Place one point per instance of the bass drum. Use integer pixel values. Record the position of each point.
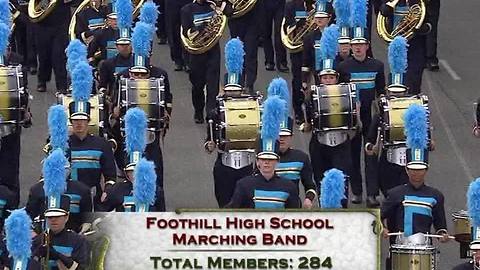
(97, 115)
(392, 111)
(13, 96)
(147, 94)
(335, 107)
(239, 123)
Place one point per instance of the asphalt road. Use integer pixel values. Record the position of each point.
(188, 169)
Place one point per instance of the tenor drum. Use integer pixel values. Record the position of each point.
(147, 94)
(240, 123)
(13, 97)
(335, 107)
(413, 257)
(463, 228)
(392, 115)
(97, 115)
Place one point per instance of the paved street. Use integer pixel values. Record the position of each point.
(188, 176)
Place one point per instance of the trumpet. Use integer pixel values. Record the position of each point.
(46, 243)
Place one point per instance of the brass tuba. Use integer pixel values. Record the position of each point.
(206, 39)
(407, 26)
(15, 13)
(40, 9)
(242, 7)
(293, 40)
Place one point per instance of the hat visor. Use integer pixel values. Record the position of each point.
(417, 166)
(268, 155)
(112, 16)
(344, 40)
(321, 14)
(328, 72)
(79, 116)
(286, 132)
(123, 41)
(475, 245)
(397, 88)
(139, 69)
(130, 167)
(233, 87)
(359, 41)
(55, 212)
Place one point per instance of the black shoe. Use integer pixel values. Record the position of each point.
(282, 67)
(162, 40)
(372, 202)
(198, 117)
(357, 199)
(178, 67)
(41, 88)
(433, 66)
(33, 70)
(269, 66)
(187, 69)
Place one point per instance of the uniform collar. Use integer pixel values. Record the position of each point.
(415, 188)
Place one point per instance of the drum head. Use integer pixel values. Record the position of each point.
(336, 107)
(393, 110)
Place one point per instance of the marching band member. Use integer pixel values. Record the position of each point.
(342, 20)
(266, 189)
(328, 149)
(103, 42)
(204, 67)
(59, 247)
(56, 170)
(415, 207)
(90, 20)
(172, 22)
(311, 43)
(10, 133)
(225, 172)
(272, 18)
(332, 194)
(294, 164)
(139, 192)
(369, 77)
(296, 12)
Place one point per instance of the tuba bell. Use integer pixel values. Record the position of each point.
(40, 9)
(293, 39)
(242, 7)
(412, 21)
(209, 37)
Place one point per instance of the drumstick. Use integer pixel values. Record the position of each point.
(210, 125)
(439, 236)
(395, 234)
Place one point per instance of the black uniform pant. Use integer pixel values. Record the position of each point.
(51, 43)
(416, 64)
(433, 13)
(246, 28)
(273, 11)
(297, 94)
(205, 71)
(24, 41)
(390, 175)
(325, 157)
(10, 164)
(371, 165)
(225, 179)
(172, 23)
(161, 29)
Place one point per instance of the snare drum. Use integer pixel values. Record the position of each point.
(413, 257)
(335, 107)
(97, 116)
(463, 228)
(392, 111)
(13, 97)
(239, 123)
(147, 94)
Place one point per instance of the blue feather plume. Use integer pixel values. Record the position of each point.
(273, 114)
(342, 12)
(397, 55)
(234, 53)
(4, 35)
(144, 186)
(135, 130)
(358, 13)
(5, 14)
(54, 173)
(58, 127)
(333, 189)
(124, 13)
(76, 53)
(141, 38)
(82, 82)
(18, 230)
(473, 202)
(279, 87)
(149, 13)
(416, 126)
(329, 42)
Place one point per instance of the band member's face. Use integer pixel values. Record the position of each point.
(80, 126)
(130, 175)
(112, 22)
(322, 22)
(328, 79)
(266, 166)
(476, 256)
(285, 143)
(139, 76)
(360, 50)
(416, 176)
(344, 49)
(57, 224)
(124, 50)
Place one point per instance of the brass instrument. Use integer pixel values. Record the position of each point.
(242, 7)
(40, 9)
(206, 39)
(293, 40)
(46, 242)
(15, 13)
(407, 26)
